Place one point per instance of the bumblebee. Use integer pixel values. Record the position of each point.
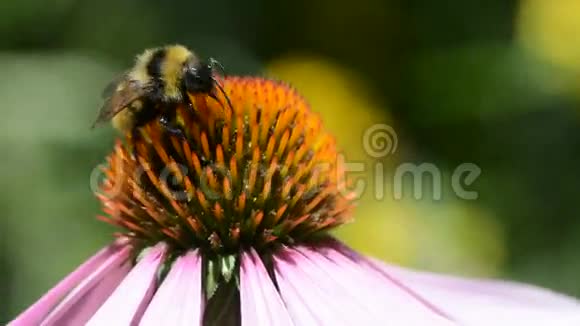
(159, 80)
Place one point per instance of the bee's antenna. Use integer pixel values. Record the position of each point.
(213, 63)
(220, 87)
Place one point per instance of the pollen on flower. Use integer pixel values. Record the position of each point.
(259, 173)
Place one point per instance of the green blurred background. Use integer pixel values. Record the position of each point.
(491, 82)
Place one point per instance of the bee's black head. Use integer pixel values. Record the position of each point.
(198, 78)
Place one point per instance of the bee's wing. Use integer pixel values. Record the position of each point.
(118, 95)
(112, 86)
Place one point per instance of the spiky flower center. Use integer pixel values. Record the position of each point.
(260, 173)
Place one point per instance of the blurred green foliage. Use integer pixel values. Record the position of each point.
(460, 84)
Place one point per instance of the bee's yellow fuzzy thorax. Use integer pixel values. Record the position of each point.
(171, 70)
(139, 71)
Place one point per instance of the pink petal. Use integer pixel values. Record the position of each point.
(261, 304)
(323, 295)
(319, 266)
(36, 313)
(344, 256)
(179, 299)
(297, 298)
(485, 302)
(83, 301)
(127, 304)
(338, 291)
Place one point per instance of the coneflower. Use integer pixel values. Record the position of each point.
(228, 225)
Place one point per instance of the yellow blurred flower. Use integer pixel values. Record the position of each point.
(447, 236)
(552, 29)
(383, 230)
(459, 237)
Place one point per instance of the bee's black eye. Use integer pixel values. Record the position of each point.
(198, 79)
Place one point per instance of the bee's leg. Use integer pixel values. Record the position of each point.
(133, 140)
(170, 127)
(188, 101)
